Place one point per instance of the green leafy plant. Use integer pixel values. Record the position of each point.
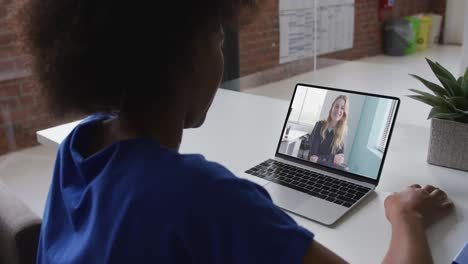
(448, 100)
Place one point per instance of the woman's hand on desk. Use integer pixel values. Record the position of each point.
(425, 204)
(314, 158)
(410, 212)
(339, 159)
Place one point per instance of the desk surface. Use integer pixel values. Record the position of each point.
(239, 121)
(364, 77)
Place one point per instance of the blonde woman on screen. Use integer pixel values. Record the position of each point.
(327, 137)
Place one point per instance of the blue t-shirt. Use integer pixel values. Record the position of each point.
(136, 201)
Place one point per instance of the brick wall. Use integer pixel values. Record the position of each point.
(22, 109)
(22, 113)
(259, 42)
(438, 6)
(10, 59)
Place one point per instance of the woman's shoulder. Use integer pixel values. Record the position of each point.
(147, 165)
(192, 171)
(213, 187)
(196, 164)
(186, 181)
(201, 184)
(319, 124)
(206, 178)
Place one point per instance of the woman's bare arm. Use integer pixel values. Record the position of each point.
(409, 213)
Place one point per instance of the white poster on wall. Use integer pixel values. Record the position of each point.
(302, 34)
(296, 26)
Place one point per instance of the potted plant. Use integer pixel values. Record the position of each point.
(448, 144)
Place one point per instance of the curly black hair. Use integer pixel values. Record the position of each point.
(108, 55)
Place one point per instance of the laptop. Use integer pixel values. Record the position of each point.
(330, 153)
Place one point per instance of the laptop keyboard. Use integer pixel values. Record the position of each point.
(316, 184)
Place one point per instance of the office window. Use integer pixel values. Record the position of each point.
(297, 104)
(307, 106)
(388, 125)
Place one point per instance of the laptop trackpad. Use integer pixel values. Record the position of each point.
(305, 205)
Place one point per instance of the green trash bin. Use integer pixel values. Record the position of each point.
(413, 43)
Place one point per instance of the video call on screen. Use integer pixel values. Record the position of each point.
(345, 131)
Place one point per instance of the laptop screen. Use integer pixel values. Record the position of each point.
(338, 129)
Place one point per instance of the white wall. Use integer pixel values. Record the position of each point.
(464, 60)
(454, 21)
(356, 103)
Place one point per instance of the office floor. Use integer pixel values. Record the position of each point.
(28, 172)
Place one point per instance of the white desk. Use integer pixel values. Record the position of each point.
(364, 77)
(238, 121)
